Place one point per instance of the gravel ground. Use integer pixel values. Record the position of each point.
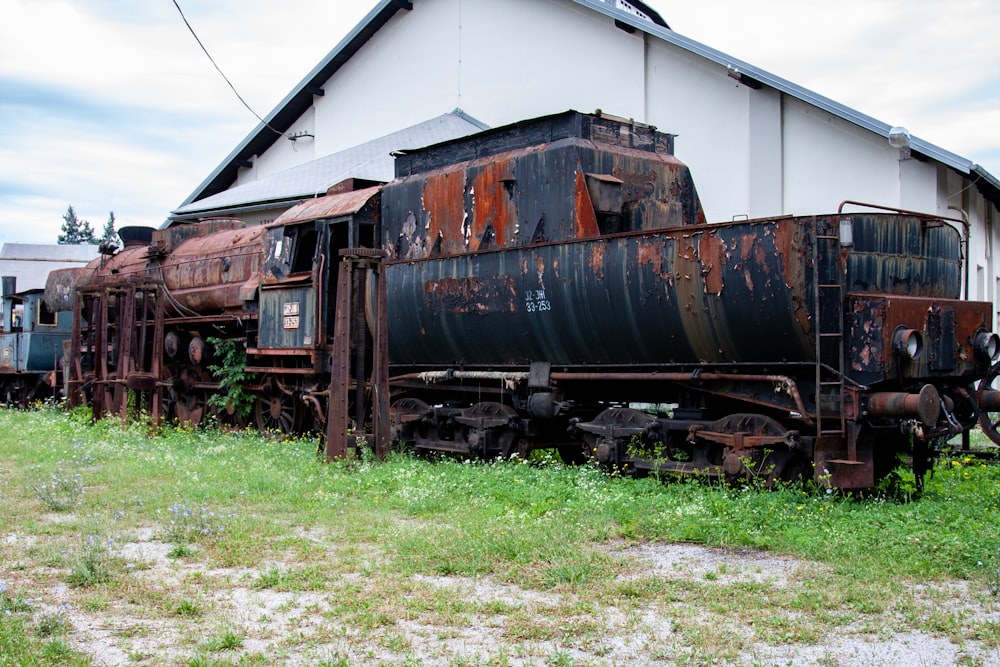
(513, 625)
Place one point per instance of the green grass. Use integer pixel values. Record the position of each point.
(364, 551)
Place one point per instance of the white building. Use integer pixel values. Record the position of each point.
(30, 263)
(757, 145)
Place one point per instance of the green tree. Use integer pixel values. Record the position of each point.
(110, 236)
(75, 230)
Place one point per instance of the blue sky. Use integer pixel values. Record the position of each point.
(110, 104)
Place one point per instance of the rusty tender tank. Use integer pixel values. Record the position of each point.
(553, 284)
(548, 276)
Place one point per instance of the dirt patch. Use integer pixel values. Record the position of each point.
(175, 609)
(725, 566)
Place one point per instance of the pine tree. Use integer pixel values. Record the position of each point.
(75, 230)
(109, 238)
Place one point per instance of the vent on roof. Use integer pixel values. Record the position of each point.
(631, 9)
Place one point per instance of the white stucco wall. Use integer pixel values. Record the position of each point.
(918, 185)
(405, 74)
(515, 65)
(709, 113)
(960, 201)
(828, 160)
(285, 154)
(500, 62)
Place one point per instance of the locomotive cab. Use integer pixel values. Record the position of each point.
(300, 294)
(299, 279)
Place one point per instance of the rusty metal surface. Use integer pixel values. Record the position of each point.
(925, 405)
(574, 246)
(609, 130)
(836, 471)
(728, 293)
(165, 240)
(712, 294)
(948, 327)
(338, 416)
(475, 295)
(61, 286)
(359, 374)
(493, 198)
(328, 206)
(989, 400)
(288, 317)
(8, 352)
(901, 254)
(205, 272)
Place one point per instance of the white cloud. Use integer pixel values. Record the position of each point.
(119, 109)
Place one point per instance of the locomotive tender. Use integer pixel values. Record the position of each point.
(541, 285)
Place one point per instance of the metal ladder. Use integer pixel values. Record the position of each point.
(828, 320)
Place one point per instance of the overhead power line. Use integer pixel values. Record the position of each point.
(219, 69)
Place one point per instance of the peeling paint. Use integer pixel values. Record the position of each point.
(585, 218)
(650, 253)
(471, 296)
(596, 260)
(711, 251)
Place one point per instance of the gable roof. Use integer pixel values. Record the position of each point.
(370, 161)
(300, 98)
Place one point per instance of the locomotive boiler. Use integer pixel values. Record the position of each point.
(554, 284)
(143, 316)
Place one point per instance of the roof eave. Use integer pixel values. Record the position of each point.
(296, 102)
(239, 209)
(986, 182)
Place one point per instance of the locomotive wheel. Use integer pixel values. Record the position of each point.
(230, 417)
(512, 445)
(276, 409)
(407, 415)
(13, 394)
(989, 422)
(608, 436)
(763, 465)
(189, 402)
(488, 432)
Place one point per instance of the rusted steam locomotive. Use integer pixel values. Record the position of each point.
(554, 284)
